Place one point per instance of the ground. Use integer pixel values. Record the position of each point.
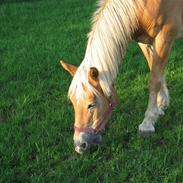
(36, 118)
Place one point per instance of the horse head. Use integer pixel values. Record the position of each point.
(92, 110)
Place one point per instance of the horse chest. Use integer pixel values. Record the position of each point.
(142, 37)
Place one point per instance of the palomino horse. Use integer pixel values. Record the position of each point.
(154, 24)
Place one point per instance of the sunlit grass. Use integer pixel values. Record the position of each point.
(36, 119)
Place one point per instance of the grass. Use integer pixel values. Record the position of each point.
(36, 120)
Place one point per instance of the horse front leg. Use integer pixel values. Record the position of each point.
(163, 94)
(163, 98)
(156, 56)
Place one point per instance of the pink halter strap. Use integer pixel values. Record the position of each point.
(100, 123)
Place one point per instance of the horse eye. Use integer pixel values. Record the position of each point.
(90, 106)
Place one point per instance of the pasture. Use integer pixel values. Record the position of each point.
(36, 118)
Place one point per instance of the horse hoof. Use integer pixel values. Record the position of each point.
(145, 133)
(145, 130)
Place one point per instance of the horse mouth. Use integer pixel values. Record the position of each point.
(78, 150)
(91, 143)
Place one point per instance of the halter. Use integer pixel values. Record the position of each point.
(100, 123)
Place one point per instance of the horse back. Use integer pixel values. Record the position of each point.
(157, 14)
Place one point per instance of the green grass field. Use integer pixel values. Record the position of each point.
(36, 119)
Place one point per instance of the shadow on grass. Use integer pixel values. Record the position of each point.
(17, 1)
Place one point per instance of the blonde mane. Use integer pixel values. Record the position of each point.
(112, 27)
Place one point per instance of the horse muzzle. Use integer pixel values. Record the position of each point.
(83, 141)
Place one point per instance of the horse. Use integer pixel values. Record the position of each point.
(154, 25)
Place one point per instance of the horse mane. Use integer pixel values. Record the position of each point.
(113, 24)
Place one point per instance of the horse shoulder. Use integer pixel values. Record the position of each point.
(155, 15)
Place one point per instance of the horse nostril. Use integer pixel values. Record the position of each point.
(84, 145)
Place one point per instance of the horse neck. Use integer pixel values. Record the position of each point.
(113, 26)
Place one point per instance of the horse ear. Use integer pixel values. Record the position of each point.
(70, 68)
(93, 78)
(93, 74)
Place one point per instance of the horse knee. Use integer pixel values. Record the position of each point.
(155, 85)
